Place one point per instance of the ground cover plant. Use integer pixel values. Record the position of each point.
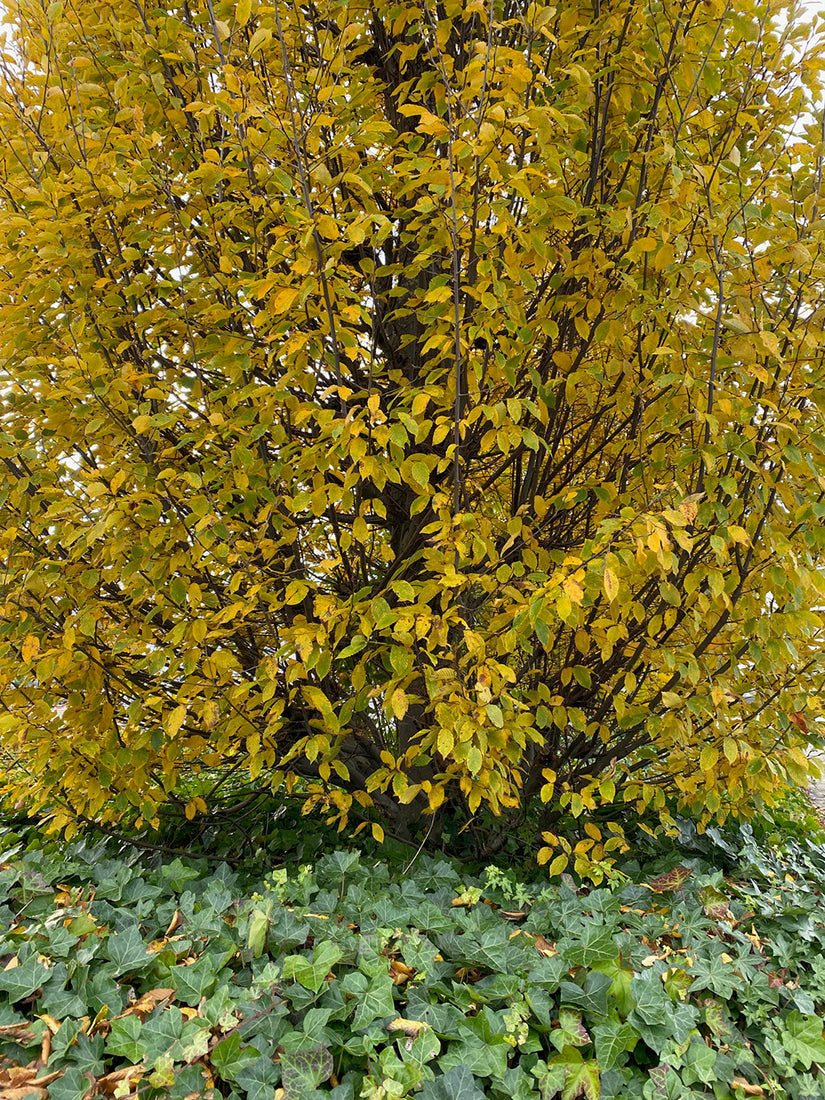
(416, 407)
(355, 979)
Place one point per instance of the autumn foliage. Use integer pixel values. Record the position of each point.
(413, 406)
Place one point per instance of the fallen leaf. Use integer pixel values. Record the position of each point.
(147, 1002)
(544, 947)
(175, 923)
(400, 972)
(411, 1028)
(747, 1087)
(130, 1074)
(17, 1076)
(18, 1033)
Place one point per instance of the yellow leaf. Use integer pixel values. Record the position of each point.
(174, 720)
(436, 795)
(445, 742)
(557, 866)
(564, 607)
(243, 12)
(377, 832)
(259, 39)
(282, 300)
(611, 584)
(399, 703)
(117, 481)
(31, 647)
(573, 590)
(211, 714)
(708, 757)
(327, 227)
(411, 1028)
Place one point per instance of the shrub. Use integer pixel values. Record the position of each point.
(418, 409)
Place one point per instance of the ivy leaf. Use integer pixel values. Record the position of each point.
(305, 1070)
(258, 928)
(312, 974)
(592, 999)
(124, 1039)
(596, 945)
(670, 881)
(20, 982)
(229, 1056)
(651, 1002)
(715, 904)
(457, 1084)
(374, 999)
(580, 1076)
(127, 951)
(802, 1037)
(193, 982)
(612, 1041)
(162, 1030)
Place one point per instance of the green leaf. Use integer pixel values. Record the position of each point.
(127, 951)
(612, 1040)
(580, 1076)
(457, 1084)
(22, 981)
(495, 714)
(592, 999)
(124, 1039)
(305, 1070)
(571, 1031)
(700, 1063)
(651, 1002)
(312, 974)
(193, 982)
(595, 946)
(382, 613)
(258, 928)
(374, 999)
(229, 1056)
(163, 1072)
(161, 1031)
(420, 472)
(802, 1037)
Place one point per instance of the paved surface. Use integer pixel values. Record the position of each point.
(816, 793)
(816, 788)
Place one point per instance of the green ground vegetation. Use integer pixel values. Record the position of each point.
(695, 972)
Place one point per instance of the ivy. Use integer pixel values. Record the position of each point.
(373, 983)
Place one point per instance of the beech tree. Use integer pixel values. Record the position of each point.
(412, 407)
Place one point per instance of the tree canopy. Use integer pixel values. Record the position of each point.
(416, 406)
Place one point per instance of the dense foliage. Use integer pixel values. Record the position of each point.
(363, 981)
(415, 405)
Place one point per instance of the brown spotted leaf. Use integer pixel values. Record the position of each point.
(669, 881)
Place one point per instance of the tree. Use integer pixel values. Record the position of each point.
(418, 406)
